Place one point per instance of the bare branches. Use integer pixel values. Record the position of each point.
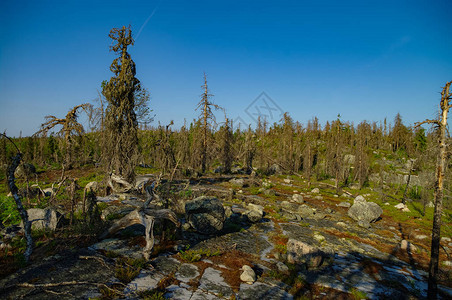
(418, 124)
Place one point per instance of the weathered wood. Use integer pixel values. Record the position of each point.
(15, 192)
(441, 124)
(145, 217)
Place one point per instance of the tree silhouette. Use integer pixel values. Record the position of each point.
(121, 126)
(69, 127)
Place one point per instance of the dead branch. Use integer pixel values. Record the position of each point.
(40, 285)
(417, 124)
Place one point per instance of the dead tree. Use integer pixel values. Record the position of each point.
(206, 117)
(441, 126)
(69, 127)
(17, 198)
(146, 217)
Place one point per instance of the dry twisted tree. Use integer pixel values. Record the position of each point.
(69, 128)
(146, 217)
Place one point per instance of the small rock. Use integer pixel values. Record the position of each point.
(254, 213)
(447, 263)
(282, 267)
(354, 186)
(318, 237)
(269, 193)
(336, 196)
(297, 198)
(318, 197)
(410, 247)
(445, 239)
(237, 182)
(342, 224)
(288, 181)
(387, 203)
(315, 191)
(359, 198)
(402, 207)
(344, 204)
(248, 275)
(430, 204)
(420, 237)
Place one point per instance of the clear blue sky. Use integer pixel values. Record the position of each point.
(366, 60)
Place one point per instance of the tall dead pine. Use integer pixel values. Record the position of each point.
(207, 117)
(441, 126)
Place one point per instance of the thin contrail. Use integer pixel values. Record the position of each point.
(147, 20)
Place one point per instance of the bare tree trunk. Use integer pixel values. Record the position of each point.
(407, 183)
(23, 213)
(440, 168)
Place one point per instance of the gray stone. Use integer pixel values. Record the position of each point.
(248, 275)
(269, 192)
(202, 295)
(145, 281)
(237, 182)
(367, 212)
(289, 206)
(213, 282)
(282, 267)
(344, 204)
(46, 219)
(288, 181)
(315, 191)
(297, 198)
(359, 199)
(408, 246)
(254, 213)
(187, 272)
(178, 293)
(274, 169)
(205, 214)
(166, 265)
(299, 252)
(262, 291)
(445, 239)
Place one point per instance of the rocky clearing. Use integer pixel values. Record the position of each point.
(274, 239)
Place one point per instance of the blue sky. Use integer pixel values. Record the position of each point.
(365, 60)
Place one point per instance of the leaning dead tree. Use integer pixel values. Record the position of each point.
(441, 126)
(70, 127)
(17, 198)
(145, 216)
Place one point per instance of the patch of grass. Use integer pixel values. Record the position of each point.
(126, 269)
(9, 214)
(152, 295)
(357, 294)
(197, 255)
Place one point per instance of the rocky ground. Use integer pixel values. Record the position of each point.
(247, 239)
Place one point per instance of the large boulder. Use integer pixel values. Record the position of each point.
(44, 219)
(364, 212)
(205, 214)
(299, 252)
